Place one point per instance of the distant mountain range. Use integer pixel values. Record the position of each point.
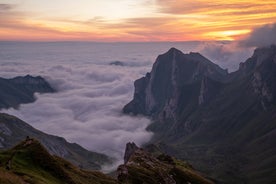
(19, 90)
(223, 124)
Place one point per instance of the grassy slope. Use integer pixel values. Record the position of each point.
(31, 163)
(54, 144)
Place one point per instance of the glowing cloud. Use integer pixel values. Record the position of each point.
(127, 20)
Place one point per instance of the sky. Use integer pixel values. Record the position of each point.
(133, 20)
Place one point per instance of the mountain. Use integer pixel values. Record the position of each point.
(172, 74)
(13, 130)
(29, 162)
(18, 90)
(142, 167)
(224, 124)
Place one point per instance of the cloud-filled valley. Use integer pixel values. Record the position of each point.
(91, 92)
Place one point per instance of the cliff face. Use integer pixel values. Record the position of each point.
(158, 93)
(18, 90)
(203, 114)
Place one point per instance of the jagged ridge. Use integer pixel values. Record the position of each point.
(142, 167)
(207, 116)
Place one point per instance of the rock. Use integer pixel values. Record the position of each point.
(130, 149)
(143, 167)
(117, 63)
(204, 114)
(160, 90)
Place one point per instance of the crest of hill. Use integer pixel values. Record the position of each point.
(30, 162)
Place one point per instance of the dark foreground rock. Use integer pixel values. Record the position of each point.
(143, 167)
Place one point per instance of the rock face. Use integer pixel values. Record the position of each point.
(142, 167)
(130, 149)
(13, 130)
(159, 92)
(214, 119)
(18, 90)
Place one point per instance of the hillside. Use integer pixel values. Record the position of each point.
(142, 166)
(13, 130)
(29, 162)
(223, 124)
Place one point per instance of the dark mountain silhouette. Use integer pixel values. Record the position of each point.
(224, 124)
(18, 90)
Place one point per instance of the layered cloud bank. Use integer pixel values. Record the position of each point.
(261, 36)
(91, 92)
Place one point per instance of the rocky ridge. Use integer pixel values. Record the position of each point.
(213, 119)
(142, 167)
(30, 162)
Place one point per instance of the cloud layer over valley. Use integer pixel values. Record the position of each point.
(91, 92)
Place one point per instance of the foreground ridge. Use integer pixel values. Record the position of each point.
(13, 130)
(142, 167)
(30, 162)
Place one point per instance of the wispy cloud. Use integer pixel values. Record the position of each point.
(261, 36)
(170, 20)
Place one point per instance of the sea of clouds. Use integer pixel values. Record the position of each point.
(91, 92)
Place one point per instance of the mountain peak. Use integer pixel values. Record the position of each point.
(174, 50)
(170, 72)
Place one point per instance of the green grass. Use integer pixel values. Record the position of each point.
(33, 164)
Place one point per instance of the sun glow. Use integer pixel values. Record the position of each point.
(128, 20)
(227, 35)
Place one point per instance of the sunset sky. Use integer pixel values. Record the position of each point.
(132, 20)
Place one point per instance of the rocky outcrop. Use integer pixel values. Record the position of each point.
(18, 90)
(143, 167)
(130, 149)
(203, 114)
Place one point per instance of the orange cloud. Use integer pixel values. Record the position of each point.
(219, 19)
(172, 20)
